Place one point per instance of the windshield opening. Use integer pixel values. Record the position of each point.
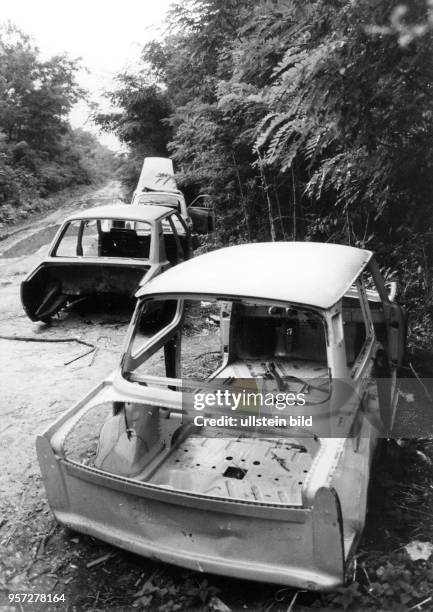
(204, 340)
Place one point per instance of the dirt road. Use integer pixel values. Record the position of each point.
(36, 385)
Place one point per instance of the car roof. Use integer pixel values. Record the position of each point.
(149, 193)
(310, 273)
(130, 212)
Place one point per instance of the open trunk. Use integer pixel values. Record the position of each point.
(52, 285)
(229, 503)
(152, 445)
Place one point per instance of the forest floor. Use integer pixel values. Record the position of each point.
(38, 556)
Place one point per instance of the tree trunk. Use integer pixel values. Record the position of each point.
(268, 199)
(243, 201)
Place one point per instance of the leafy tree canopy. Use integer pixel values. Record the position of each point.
(39, 152)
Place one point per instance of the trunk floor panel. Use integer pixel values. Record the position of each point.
(254, 469)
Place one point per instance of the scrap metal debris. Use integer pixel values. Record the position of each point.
(408, 397)
(99, 560)
(217, 605)
(93, 347)
(423, 457)
(419, 550)
(92, 350)
(33, 339)
(421, 603)
(415, 373)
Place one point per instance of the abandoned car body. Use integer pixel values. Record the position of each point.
(133, 463)
(105, 250)
(157, 187)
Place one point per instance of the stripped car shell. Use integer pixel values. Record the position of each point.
(159, 486)
(105, 251)
(157, 187)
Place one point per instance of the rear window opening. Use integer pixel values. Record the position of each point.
(104, 238)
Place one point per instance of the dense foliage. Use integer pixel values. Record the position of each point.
(302, 120)
(139, 121)
(39, 152)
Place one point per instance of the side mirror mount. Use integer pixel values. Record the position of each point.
(392, 290)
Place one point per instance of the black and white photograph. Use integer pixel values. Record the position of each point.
(216, 305)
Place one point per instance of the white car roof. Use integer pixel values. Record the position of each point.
(310, 273)
(123, 211)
